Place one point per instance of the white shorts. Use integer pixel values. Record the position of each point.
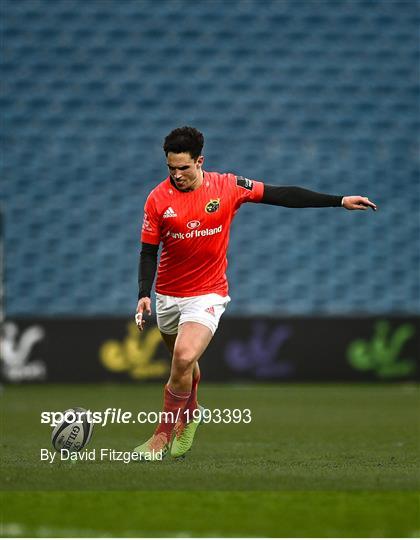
(171, 311)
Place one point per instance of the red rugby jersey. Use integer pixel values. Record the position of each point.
(194, 227)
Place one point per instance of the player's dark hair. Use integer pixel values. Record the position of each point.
(184, 139)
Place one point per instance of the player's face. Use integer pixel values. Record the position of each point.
(184, 170)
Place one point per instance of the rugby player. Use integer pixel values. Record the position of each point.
(190, 213)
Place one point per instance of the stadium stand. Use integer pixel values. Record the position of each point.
(321, 94)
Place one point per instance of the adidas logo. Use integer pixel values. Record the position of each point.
(169, 212)
(211, 311)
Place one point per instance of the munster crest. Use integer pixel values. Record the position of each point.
(212, 206)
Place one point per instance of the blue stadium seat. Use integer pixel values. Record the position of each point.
(318, 94)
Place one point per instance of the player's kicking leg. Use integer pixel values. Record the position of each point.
(190, 343)
(185, 428)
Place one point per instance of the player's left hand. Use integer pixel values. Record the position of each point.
(356, 202)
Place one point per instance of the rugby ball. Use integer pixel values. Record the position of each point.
(74, 432)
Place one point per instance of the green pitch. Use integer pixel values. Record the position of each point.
(316, 460)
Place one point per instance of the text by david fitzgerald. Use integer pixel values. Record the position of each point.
(102, 454)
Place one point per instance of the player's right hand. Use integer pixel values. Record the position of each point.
(144, 305)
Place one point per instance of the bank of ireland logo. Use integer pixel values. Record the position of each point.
(212, 206)
(193, 224)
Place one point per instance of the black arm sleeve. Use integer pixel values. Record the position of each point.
(297, 197)
(147, 268)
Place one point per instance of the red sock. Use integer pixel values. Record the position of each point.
(173, 402)
(192, 403)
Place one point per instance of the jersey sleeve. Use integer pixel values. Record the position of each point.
(150, 231)
(246, 190)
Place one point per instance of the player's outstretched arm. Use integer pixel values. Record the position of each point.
(297, 197)
(356, 202)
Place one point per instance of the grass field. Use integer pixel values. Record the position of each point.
(316, 460)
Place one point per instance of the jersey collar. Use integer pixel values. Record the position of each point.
(189, 190)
